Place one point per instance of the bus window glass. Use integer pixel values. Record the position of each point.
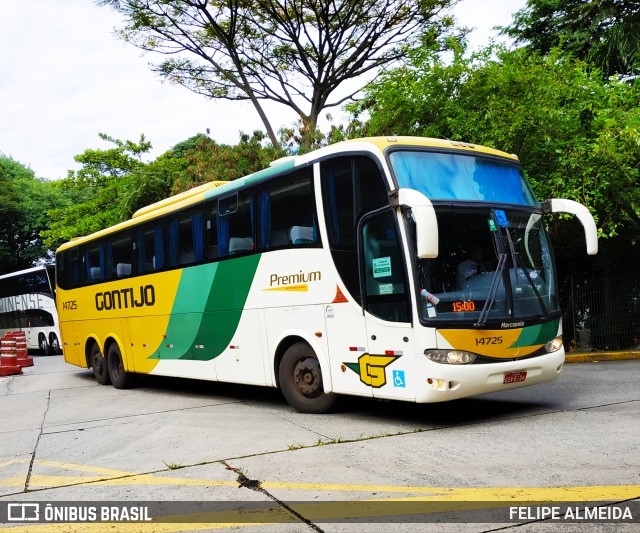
(383, 269)
(235, 227)
(94, 263)
(75, 267)
(120, 252)
(150, 248)
(507, 269)
(63, 267)
(286, 211)
(185, 239)
(461, 177)
(211, 231)
(351, 187)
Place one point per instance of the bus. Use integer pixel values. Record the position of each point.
(396, 268)
(27, 303)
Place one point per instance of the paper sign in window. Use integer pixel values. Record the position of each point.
(381, 267)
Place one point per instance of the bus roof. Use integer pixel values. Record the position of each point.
(25, 271)
(218, 188)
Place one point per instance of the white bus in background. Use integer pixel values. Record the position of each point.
(27, 303)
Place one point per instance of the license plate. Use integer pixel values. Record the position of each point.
(514, 377)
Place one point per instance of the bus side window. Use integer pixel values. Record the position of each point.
(64, 270)
(234, 224)
(383, 269)
(120, 255)
(75, 267)
(93, 259)
(150, 248)
(211, 231)
(186, 238)
(286, 211)
(351, 187)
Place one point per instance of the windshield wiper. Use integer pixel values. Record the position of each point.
(482, 319)
(517, 264)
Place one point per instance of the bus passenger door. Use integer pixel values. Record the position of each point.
(347, 340)
(386, 299)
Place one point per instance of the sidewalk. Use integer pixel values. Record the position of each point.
(594, 357)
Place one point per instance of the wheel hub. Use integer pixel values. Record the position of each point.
(306, 376)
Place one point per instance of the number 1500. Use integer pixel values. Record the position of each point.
(461, 307)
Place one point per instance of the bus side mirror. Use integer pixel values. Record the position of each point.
(425, 217)
(561, 205)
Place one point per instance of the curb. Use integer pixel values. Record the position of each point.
(596, 357)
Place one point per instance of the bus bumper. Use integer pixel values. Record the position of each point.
(443, 382)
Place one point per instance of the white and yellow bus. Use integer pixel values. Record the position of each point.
(27, 303)
(396, 268)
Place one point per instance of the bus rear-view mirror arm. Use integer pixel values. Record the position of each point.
(424, 216)
(562, 205)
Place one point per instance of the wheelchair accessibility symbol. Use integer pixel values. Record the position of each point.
(398, 379)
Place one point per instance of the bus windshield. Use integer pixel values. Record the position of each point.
(461, 177)
(494, 266)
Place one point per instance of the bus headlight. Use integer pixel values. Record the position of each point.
(450, 357)
(554, 345)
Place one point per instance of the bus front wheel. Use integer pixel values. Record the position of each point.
(99, 365)
(119, 377)
(301, 380)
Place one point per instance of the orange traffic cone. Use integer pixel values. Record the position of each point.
(21, 349)
(8, 358)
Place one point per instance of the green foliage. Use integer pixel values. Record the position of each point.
(578, 136)
(96, 191)
(24, 200)
(152, 182)
(113, 183)
(208, 161)
(605, 33)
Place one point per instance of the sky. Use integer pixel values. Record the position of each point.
(65, 77)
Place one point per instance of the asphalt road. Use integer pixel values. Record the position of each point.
(219, 457)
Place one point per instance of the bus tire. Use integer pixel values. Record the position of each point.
(43, 344)
(55, 344)
(99, 365)
(301, 380)
(119, 377)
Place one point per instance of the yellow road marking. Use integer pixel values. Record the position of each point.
(440, 499)
(320, 511)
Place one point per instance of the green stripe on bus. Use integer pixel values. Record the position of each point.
(207, 309)
(539, 334)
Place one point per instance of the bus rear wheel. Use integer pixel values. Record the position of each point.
(119, 377)
(43, 344)
(55, 344)
(301, 380)
(99, 365)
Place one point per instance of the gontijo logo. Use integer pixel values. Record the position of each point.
(371, 368)
(126, 298)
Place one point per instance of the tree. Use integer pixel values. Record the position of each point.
(95, 191)
(114, 183)
(603, 32)
(24, 200)
(208, 161)
(297, 54)
(577, 136)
